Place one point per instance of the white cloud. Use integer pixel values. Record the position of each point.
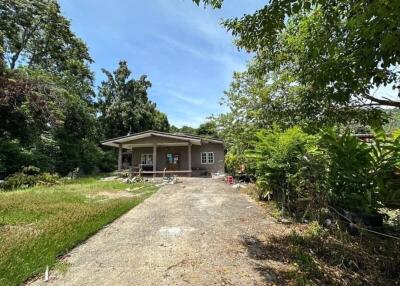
(186, 98)
(229, 62)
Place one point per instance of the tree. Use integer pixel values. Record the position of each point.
(45, 91)
(124, 104)
(36, 35)
(43, 124)
(161, 121)
(187, 130)
(337, 50)
(208, 129)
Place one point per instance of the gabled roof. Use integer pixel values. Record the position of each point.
(196, 140)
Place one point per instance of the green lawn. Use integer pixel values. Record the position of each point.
(40, 224)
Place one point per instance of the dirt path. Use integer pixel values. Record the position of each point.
(190, 233)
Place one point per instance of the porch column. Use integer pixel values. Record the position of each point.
(190, 158)
(154, 159)
(132, 161)
(119, 157)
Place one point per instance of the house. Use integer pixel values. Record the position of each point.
(155, 152)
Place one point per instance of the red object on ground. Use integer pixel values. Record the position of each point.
(229, 180)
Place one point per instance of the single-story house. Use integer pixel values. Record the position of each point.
(155, 152)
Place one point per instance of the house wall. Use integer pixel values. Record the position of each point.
(219, 157)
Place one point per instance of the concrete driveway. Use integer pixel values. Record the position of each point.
(190, 233)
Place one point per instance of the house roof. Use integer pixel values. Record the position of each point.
(196, 140)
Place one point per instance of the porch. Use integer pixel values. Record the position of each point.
(156, 159)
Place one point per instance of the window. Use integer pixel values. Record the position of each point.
(146, 159)
(204, 158)
(207, 157)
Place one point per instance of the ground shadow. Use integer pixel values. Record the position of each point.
(321, 260)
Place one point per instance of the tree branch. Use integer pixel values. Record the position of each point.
(386, 102)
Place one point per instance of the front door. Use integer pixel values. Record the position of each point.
(173, 162)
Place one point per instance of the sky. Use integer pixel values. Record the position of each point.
(182, 48)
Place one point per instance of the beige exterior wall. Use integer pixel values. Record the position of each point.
(219, 162)
(162, 152)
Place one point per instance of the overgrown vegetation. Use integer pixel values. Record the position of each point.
(39, 224)
(314, 82)
(29, 177)
(327, 169)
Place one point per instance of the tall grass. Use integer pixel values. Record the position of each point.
(40, 224)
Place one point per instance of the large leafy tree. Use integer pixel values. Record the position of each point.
(36, 35)
(333, 52)
(124, 104)
(45, 91)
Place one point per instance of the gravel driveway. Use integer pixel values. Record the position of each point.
(190, 233)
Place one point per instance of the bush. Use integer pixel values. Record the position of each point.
(108, 161)
(307, 173)
(362, 176)
(350, 183)
(278, 156)
(29, 177)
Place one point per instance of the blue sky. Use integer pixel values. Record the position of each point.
(187, 55)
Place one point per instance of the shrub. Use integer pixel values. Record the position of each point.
(29, 177)
(350, 184)
(108, 161)
(362, 176)
(278, 156)
(306, 173)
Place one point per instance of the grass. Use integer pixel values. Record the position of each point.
(40, 224)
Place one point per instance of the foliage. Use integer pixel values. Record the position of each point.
(317, 62)
(277, 156)
(45, 91)
(29, 177)
(35, 34)
(208, 129)
(385, 153)
(343, 48)
(329, 169)
(235, 163)
(184, 129)
(40, 224)
(124, 105)
(108, 161)
(47, 108)
(350, 163)
(361, 176)
(41, 121)
(393, 121)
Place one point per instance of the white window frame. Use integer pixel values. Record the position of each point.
(210, 158)
(146, 158)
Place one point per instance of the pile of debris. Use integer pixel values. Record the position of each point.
(169, 180)
(135, 179)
